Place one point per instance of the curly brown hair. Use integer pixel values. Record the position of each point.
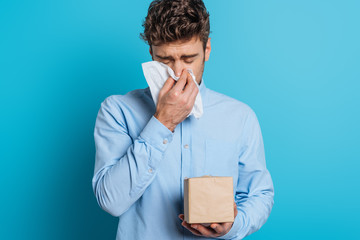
(172, 20)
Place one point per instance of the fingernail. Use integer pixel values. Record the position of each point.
(194, 226)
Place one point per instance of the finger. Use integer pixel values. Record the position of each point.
(190, 85)
(193, 95)
(179, 86)
(217, 227)
(169, 83)
(181, 216)
(191, 90)
(192, 230)
(203, 230)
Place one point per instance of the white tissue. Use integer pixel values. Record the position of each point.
(156, 74)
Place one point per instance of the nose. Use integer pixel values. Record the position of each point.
(177, 67)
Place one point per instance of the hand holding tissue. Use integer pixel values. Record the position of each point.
(156, 74)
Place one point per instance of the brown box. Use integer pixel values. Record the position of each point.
(208, 199)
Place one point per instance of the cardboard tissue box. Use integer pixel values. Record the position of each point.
(208, 199)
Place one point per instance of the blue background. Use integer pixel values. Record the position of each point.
(296, 63)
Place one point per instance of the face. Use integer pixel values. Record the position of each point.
(181, 55)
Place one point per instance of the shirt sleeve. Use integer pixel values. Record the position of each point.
(254, 191)
(125, 167)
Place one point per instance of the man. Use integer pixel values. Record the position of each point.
(144, 152)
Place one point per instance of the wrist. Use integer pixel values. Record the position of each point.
(171, 126)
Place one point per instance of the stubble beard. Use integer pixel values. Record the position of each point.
(202, 70)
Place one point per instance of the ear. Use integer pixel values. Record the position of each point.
(207, 49)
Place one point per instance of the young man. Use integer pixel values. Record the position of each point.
(144, 152)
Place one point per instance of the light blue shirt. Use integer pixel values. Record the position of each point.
(141, 165)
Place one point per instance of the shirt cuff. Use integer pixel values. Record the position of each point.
(233, 230)
(156, 134)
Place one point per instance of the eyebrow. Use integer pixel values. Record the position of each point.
(182, 57)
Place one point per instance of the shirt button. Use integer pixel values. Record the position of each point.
(186, 146)
(165, 141)
(150, 170)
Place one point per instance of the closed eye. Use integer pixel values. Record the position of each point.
(189, 60)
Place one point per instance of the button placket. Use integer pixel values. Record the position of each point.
(185, 153)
